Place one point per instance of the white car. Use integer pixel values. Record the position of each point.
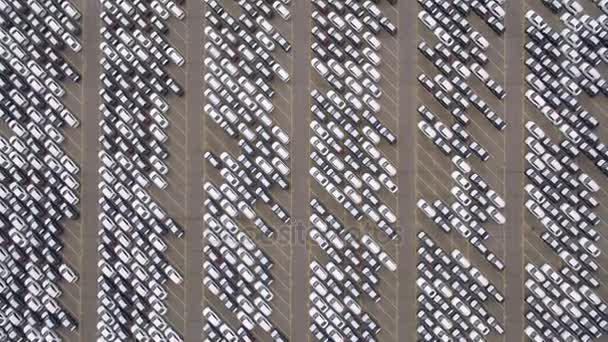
(496, 215)
(427, 130)
(68, 273)
(552, 115)
(480, 72)
(461, 259)
(387, 166)
(319, 176)
(588, 182)
(387, 213)
(353, 194)
(573, 6)
(495, 198)
(372, 41)
(480, 40)
(463, 198)
(445, 132)
(175, 56)
(388, 183)
(590, 247)
(176, 11)
(461, 164)
(371, 213)
(535, 194)
(280, 135)
(372, 56)
(444, 36)
(426, 208)
(353, 179)
(72, 42)
(536, 20)
(460, 227)
(535, 130)
(370, 244)
(571, 22)
(280, 72)
(535, 209)
(320, 67)
(535, 99)
(570, 133)
(461, 69)
(461, 180)
(371, 103)
(461, 211)
(371, 181)
(427, 20)
(371, 134)
(387, 261)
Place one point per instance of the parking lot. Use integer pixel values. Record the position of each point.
(536, 250)
(74, 230)
(422, 172)
(386, 311)
(278, 247)
(432, 179)
(434, 169)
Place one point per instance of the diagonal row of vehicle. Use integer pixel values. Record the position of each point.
(564, 67)
(347, 131)
(239, 99)
(459, 53)
(39, 180)
(474, 204)
(240, 66)
(457, 74)
(348, 163)
(564, 77)
(452, 296)
(237, 271)
(562, 197)
(338, 286)
(564, 64)
(216, 329)
(454, 140)
(136, 81)
(560, 310)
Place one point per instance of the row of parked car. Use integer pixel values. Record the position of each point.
(240, 68)
(338, 286)
(474, 204)
(217, 329)
(348, 163)
(451, 141)
(346, 131)
(559, 310)
(136, 82)
(561, 198)
(237, 272)
(459, 53)
(39, 180)
(452, 296)
(560, 70)
(564, 66)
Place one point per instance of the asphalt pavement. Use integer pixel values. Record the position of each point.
(420, 171)
(514, 175)
(433, 169)
(300, 110)
(195, 134)
(407, 171)
(90, 117)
